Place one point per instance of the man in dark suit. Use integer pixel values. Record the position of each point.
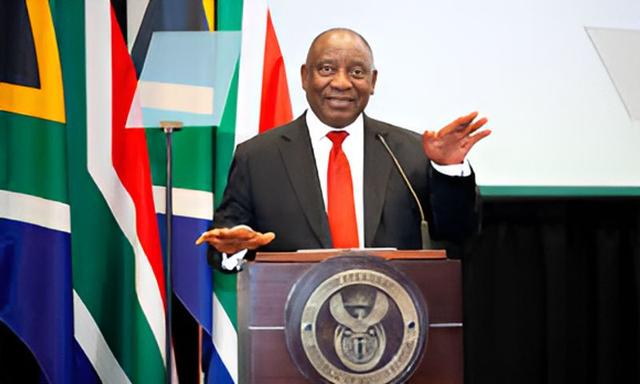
(277, 198)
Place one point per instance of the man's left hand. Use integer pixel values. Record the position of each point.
(451, 144)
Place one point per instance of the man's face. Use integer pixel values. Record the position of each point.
(338, 78)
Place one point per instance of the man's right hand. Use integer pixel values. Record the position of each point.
(233, 240)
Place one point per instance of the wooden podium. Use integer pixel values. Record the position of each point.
(262, 293)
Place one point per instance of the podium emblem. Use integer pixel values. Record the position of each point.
(355, 319)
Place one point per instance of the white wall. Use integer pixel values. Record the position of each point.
(529, 66)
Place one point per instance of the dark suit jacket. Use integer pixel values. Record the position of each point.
(274, 186)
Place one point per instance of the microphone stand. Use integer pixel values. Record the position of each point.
(169, 127)
(424, 226)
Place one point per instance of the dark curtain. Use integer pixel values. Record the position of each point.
(551, 292)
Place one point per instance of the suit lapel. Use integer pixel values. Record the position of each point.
(297, 154)
(377, 165)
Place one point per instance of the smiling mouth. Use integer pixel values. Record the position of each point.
(339, 102)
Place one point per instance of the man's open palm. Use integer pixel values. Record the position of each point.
(451, 144)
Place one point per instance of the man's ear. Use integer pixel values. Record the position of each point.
(303, 76)
(374, 78)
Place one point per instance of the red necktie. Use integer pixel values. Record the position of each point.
(341, 210)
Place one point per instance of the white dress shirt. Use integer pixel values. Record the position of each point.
(353, 148)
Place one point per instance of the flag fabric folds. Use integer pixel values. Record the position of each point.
(35, 243)
(81, 264)
(118, 270)
(80, 248)
(192, 164)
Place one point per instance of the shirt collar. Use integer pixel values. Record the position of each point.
(318, 130)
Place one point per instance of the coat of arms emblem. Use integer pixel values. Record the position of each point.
(355, 319)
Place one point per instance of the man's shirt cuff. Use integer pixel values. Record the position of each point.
(457, 170)
(233, 262)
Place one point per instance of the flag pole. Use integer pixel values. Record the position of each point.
(169, 127)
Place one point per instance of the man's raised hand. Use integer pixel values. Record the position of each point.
(451, 144)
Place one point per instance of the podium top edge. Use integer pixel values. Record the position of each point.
(320, 255)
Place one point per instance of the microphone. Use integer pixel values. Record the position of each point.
(424, 226)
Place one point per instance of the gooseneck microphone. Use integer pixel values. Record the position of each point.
(424, 226)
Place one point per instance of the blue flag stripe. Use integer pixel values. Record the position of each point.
(217, 374)
(35, 272)
(191, 273)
